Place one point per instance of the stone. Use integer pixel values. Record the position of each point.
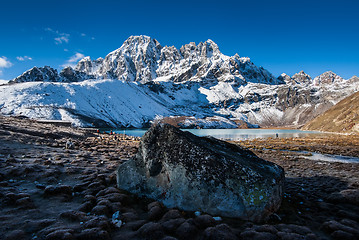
(332, 226)
(73, 216)
(188, 172)
(253, 235)
(221, 231)
(25, 202)
(101, 210)
(265, 228)
(155, 213)
(60, 235)
(129, 217)
(186, 231)
(151, 230)
(290, 236)
(86, 207)
(169, 238)
(351, 195)
(93, 234)
(98, 222)
(15, 235)
(171, 225)
(36, 225)
(341, 235)
(204, 221)
(54, 190)
(135, 225)
(171, 214)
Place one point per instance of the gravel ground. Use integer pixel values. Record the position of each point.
(50, 192)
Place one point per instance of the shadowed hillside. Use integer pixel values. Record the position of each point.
(342, 117)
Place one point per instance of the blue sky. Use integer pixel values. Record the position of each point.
(282, 36)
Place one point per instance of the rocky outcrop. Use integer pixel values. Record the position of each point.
(38, 74)
(48, 74)
(70, 75)
(193, 173)
(327, 78)
(285, 78)
(301, 78)
(354, 79)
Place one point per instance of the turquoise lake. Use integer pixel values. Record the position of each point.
(233, 134)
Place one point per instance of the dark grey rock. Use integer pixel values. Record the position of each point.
(93, 234)
(222, 231)
(155, 213)
(62, 234)
(86, 207)
(290, 236)
(151, 230)
(171, 214)
(25, 202)
(341, 235)
(101, 222)
(43, 74)
(266, 228)
(186, 230)
(101, 210)
(73, 216)
(15, 235)
(182, 170)
(54, 190)
(171, 225)
(204, 221)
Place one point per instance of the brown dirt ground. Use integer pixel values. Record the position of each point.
(50, 192)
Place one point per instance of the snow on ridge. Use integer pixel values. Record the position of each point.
(142, 79)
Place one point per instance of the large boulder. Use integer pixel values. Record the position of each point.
(194, 173)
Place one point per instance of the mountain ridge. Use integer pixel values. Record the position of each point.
(195, 80)
(342, 117)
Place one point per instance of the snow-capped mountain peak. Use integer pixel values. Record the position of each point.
(327, 78)
(302, 77)
(143, 59)
(142, 79)
(37, 74)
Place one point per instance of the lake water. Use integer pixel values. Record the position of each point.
(332, 158)
(233, 134)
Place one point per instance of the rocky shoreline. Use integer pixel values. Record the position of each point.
(50, 192)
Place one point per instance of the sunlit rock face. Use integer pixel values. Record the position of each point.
(194, 173)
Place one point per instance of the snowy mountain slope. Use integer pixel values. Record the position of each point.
(142, 80)
(112, 102)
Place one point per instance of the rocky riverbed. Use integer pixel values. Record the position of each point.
(50, 192)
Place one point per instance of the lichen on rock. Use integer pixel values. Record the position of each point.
(193, 173)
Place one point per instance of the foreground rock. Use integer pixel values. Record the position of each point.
(182, 170)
